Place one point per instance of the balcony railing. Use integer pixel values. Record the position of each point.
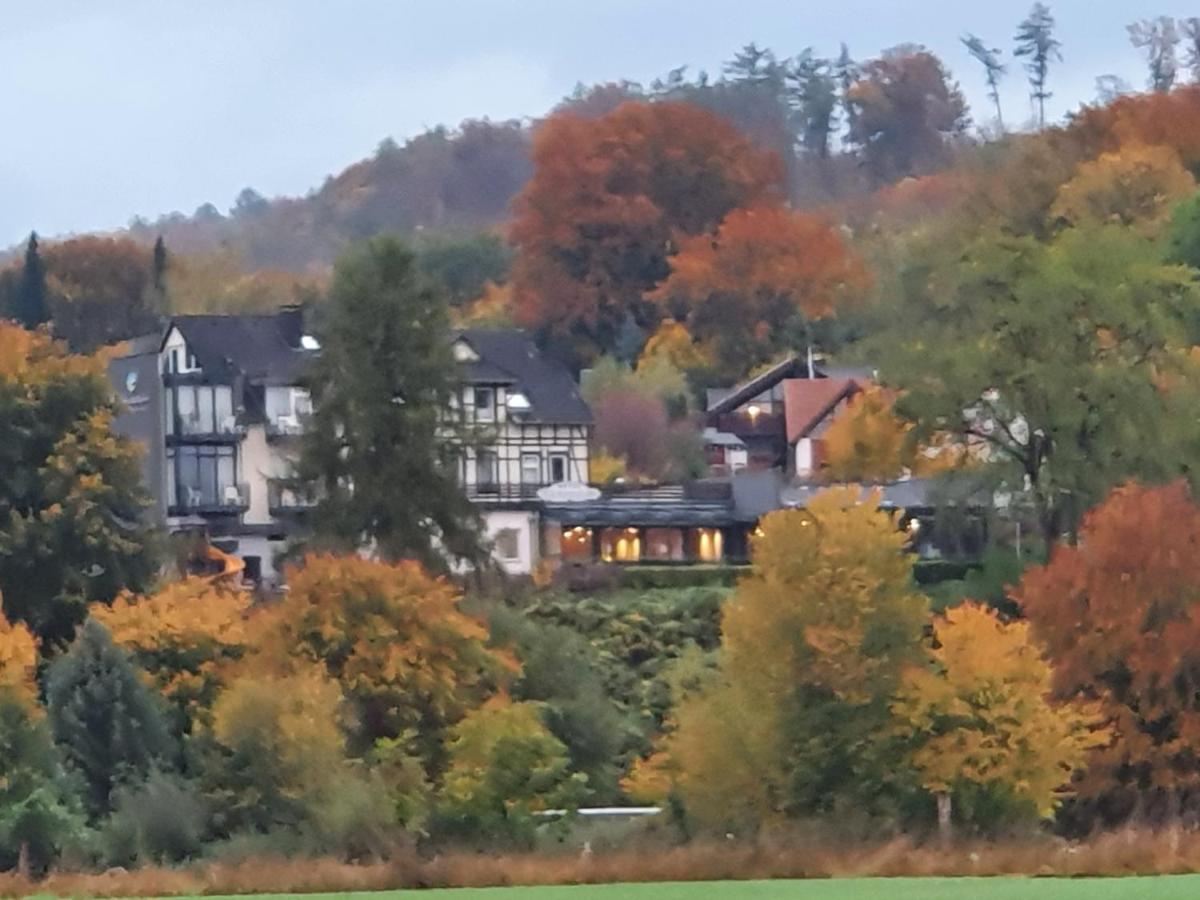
(494, 490)
(196, 427)
(285, 426)
(287, 498)
(226, 499)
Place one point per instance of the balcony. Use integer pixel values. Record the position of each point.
(289, 499)
(494, 490)
(201, 430)
(228, 499)
(285, 426)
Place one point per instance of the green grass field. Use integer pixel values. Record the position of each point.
(1166, 887)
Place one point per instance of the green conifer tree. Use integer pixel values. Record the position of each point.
(107, 724)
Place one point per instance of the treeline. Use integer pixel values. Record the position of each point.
(829, 119)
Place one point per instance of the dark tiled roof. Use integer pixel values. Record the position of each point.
(509, 356)
(913, 493)
(250, 345)
(794, 367)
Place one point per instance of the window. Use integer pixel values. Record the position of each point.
(558, 468)
(531, 468)
(204, 475)
(485, 404)
(508, 543)
(205, 409)
(486, 471)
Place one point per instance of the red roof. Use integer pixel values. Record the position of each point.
(807, 401)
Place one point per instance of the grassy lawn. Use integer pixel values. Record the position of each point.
(1167, 887)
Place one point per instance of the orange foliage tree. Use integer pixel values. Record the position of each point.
(18, 660)
(609, 199)
(395, 639)
(1119, 614)
(185, 638)
(740, 289)
(1137, 185)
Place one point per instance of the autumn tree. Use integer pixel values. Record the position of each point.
(867, 441)
(1158, 39)
(1137, 186)
(1051, 355)
(18, 661)
(672, 344)
(185, 638)
(906, 112)
(1036, 43)
(982, 718)
(744, 290)
(993, 70)
(395, 639)
(379, 449)
(107, 724)
(815, 641)
(1119, 614)
(100, 290)
(609, 199)
(71, 498)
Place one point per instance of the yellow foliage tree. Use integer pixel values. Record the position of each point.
(185, 638)
(504, 766)
(18, 660)
(606, 468)
(819, 632)
(394, 638)
(1137, 185)
(283, 744)
(673, 343)
(983, 716)
(867, 441)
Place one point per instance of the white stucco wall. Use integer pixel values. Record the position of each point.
(525, 523)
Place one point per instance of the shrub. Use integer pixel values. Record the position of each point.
(161, 820)
(648, 578)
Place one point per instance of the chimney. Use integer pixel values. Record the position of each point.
(291, 323)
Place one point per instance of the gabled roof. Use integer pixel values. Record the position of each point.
(254, 346)
(806, 402)
(793, 367)
(508, 356)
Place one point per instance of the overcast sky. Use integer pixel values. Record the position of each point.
(131, 107)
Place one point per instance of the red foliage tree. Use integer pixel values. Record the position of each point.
(1119, 614)
(609, 200)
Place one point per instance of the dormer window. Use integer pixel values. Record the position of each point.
(518, 403)
(485, 404)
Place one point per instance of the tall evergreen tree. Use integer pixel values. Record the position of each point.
(1158, 39)
(30, 303)
(159, 270)
(377, 448)
(1036, 42)
(993, 70)
(845, 70)
(107, 724)
(814, 95)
